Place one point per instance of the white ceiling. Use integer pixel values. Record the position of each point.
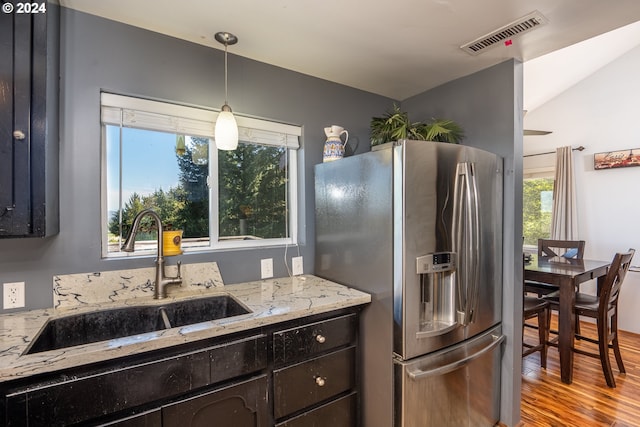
(396, 49)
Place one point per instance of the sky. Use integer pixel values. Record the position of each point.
(149, 163)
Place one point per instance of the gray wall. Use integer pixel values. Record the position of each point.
(99, 54)
(488, 106)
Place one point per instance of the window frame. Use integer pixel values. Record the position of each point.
(166, 116)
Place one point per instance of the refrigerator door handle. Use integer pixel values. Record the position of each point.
(473, 259)
(417, 374)
(466, 240)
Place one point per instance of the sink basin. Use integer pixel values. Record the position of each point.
(188, 312)
(103, 325)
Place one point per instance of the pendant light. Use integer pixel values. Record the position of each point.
(226, 130)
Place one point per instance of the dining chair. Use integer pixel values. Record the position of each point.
(604, 309)
(536, 307)
(550, 248)
(573, 249)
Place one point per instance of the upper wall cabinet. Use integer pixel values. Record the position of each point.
(29, 74)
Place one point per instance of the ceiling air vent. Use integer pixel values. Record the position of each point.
(523, 25)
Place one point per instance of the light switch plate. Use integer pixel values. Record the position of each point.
(296, 266)
(266, 268)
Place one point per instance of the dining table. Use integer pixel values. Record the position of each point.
(567, 274)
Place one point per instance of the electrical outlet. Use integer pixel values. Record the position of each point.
(296, 266)
(13, 295)
(266, 268)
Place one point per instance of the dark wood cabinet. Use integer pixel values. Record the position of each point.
(95, 394)
(315, 376)
(86, 397)
(297, 373)
(29, 123)
(314, 381)
(301, 342)
(341, 412)
(238, 405)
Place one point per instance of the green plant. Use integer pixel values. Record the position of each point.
(395, 125)
(442, 130)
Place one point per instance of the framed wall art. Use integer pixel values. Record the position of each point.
(617, 159)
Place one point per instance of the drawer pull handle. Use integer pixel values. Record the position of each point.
(320, 381)
(320, 338)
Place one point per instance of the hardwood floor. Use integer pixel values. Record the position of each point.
(547, 401)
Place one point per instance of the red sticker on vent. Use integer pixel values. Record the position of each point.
(508, 42)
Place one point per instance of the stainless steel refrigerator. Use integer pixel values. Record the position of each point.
(418, 225)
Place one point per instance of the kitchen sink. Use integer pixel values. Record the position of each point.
(199, 310)
(103, 325)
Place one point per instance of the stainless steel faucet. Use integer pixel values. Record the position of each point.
(162, 281)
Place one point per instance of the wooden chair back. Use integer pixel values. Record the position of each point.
(604, 309)
(610, 289)
(550, 248)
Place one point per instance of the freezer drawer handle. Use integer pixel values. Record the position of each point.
(419, 374)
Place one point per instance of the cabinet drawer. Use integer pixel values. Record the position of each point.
(305, 384)
(298, 343)
(238, 358)
(338, 413)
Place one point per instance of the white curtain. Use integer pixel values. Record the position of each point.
(564, 225)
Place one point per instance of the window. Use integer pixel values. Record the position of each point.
(162, 156)
(536, 213)
(537, 197)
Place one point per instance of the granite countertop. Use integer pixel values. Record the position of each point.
(270, 301)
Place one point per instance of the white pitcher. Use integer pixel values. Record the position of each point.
(333, 146)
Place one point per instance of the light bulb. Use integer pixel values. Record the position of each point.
(226, 132)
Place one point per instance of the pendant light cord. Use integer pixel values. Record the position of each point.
(225, 73)
(226, 39)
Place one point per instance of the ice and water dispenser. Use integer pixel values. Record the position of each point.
(438, 312)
